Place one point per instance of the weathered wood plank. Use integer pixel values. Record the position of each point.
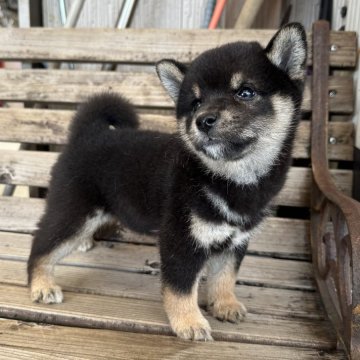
(144, 89)
(149, 317)
(297, 188)
(255, 270)
(33, 168)
(51, 127)
(24, 340)
(287, 238)
(20, 214)
(87, 280)
(142, 45)
(279, 237)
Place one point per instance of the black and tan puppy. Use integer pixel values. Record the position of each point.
(207, 188)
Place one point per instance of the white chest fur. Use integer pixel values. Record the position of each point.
(208, 234)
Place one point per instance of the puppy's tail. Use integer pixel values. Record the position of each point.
(103, 112)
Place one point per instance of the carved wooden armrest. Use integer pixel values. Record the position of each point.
(335, 218)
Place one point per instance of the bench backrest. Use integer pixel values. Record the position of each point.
(135, 52)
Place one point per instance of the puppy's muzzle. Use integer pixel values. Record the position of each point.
(206, 122)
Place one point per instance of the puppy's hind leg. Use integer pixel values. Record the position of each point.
(52, 242)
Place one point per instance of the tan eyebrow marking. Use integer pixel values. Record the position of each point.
(236, 81)
(196, 90)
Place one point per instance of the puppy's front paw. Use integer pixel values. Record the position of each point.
(231, 310)
(195, 329)
(51, 294)
(185, 317)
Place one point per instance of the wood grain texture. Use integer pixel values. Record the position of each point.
(288, 303)
(118, 287)
(142, 45)
(41, 126)
(280, 237)
(143, 316)
(20, 214)
(255, 270)
(144, 89)
(33, 168)
(24, 340)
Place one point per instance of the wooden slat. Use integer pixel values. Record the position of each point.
(20, 214)
(297, 189)
(51, 127)
(341, 149)
(279, 237)
(33, 168)
(255, 270)
(34, 126)
(286, 238)
(89, 280)
(144, 89)
(20, 341)
(149, 317)
(142, 45)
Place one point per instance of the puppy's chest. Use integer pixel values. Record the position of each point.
(241, 206)
(217, 223)
(216, 235)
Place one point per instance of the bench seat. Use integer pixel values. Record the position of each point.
(112, 305)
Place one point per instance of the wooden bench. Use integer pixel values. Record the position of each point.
(116, 285)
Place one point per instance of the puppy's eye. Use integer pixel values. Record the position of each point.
(245, 93)
(195, 105)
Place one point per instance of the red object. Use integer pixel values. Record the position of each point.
(220, 4)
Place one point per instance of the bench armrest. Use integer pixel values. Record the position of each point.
(335, 218)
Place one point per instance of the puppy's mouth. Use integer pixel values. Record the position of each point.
(229, 149)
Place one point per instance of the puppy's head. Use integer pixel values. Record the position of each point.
(230, 99)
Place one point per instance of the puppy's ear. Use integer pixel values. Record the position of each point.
(287, 50)
(171, 74)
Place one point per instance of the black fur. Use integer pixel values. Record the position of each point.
(150, 180)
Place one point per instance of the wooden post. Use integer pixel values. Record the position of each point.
(248, 14)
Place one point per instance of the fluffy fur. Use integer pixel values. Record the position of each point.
(207, 188)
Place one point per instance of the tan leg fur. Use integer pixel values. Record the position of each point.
(185, 316)
(43, 286)
(222, 302)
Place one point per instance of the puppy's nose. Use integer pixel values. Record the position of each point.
(206, 122)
